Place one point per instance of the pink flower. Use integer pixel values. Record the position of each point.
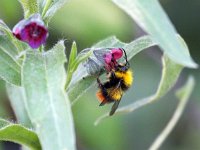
(110, 59)
(31, 31)
(117, 53)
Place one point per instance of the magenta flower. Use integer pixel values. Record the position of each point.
(31, 31)
(117, 53)
(111, 58)
(108, 57)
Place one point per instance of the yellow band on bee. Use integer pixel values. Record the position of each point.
(126, 76)
(115, 93)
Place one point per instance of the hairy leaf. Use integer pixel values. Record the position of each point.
(19, 134)
(183, 94)
(7, 37)
(152, 18)
(3, 27)
(50, 8)
(17, 99)
(6, 44)
(10, 70)
(46, 102)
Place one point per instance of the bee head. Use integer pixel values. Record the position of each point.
(122, 67)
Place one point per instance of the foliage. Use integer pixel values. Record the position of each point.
(183, 94)
(38, 83)
(19, 134)
(43, 77)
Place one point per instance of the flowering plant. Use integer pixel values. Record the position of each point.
(37, 81)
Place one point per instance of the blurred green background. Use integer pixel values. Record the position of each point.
(89, 21)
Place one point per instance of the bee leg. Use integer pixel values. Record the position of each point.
(102, 103)
(101, 86)
(113, 75)
(99, 82)
(114, 107)
(119, 84)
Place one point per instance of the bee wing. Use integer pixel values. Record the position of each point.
(114, 107)
(100, 53)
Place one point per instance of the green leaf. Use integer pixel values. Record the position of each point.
(80, 88)
(73, 54)
(80, 85)
(9, 68)
(3, 27)
(79, 59)
(185, 91)
(72, 59)
(6, 44)
(46, 102)
(50, 8)
(19, 134)
(30, 7)
(151, 17)
(17, 99)
(183, 94)
(6, 33)
(74, 65)
(170, 74)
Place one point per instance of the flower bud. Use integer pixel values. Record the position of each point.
(32, 31)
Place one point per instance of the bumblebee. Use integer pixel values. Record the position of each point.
(120, 79)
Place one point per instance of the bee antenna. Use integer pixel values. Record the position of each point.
(127, 63)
